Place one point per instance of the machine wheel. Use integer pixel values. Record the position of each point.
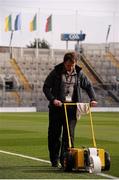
(107, 161)
(68, 161)
(86, 158)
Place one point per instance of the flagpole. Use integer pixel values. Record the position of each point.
(10, 44)
(18, 27)
(52, 40)
(38, 32)
(76, 21)
(11, 37)
(76, 29)
(48, 28)
(52, 52)
(21, 32)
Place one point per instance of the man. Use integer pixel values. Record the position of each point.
(64, 84)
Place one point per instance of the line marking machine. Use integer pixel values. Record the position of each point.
(92, 159)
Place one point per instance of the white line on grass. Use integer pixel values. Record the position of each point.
(45, 161)
(24, 156)
(108, 176)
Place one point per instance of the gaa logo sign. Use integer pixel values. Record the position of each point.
(73, 37)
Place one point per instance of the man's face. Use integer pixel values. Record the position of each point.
(69, 66)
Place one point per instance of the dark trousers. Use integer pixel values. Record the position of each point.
(57, 131)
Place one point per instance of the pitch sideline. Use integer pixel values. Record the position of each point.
(46, 161)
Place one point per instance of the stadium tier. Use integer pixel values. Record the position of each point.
(22, 77)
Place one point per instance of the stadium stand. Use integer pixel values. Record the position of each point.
(22, 78)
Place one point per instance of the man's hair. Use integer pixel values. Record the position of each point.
(70, 56)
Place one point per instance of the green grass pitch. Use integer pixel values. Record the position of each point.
(26, 134)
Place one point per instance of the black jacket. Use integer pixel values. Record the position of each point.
(52, 83)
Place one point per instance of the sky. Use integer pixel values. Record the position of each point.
(68, 16)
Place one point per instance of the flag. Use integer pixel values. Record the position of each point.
(48, 26)
(17, 23)
(33, 24)
(8, 23)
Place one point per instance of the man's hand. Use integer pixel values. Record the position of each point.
(93, 103)
(57, 103)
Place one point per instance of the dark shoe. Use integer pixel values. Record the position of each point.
(55, 164)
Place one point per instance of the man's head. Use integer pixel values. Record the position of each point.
(70, 60)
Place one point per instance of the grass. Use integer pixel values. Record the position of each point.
(26, 133)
